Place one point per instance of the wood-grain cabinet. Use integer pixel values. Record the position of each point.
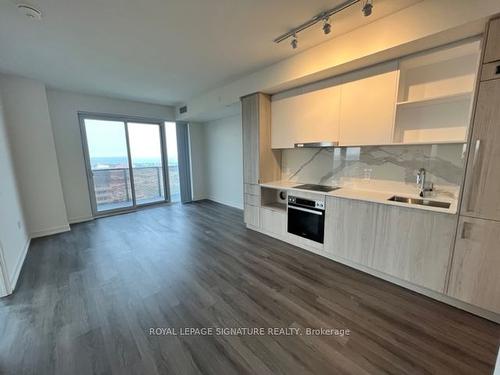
(273, 221)
(475, 268)
(481, 196)
(492, 48)
(406, 243)
(475, 271)
(260, 162)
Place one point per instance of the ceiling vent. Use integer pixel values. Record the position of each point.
(183, 109)
(30, 11)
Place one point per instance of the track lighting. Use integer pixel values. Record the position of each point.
(325, 17)
(367, 8)
(327, 26)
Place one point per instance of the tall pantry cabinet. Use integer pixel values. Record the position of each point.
(260, 162)
(475, 270)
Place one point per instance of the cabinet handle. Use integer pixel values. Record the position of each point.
(472, 173)
(465, 230)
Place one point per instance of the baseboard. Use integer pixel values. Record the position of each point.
(17, 271)
(230, 204)
(48, 232)
(80, 219)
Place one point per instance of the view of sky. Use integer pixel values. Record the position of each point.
(107, 139)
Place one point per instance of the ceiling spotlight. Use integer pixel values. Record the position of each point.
(29, 11)
(294, 43)
(367, 8)
(327, 26)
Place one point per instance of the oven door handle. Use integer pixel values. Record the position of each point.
(320, 213)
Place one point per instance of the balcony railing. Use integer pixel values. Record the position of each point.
(113, 188)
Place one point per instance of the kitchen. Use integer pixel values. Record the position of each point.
(400, 184)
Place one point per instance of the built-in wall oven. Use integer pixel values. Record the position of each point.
(306, 218)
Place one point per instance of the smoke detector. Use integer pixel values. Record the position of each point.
(30, 11)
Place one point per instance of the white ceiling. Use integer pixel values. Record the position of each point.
(159, 51)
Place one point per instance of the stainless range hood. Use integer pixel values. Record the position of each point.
(317, 144)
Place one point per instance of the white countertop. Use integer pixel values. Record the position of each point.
(373, 193)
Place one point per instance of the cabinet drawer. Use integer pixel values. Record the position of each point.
(490, 71)
(273, 221)
(251, 215)
(252, 189)
(254, 200)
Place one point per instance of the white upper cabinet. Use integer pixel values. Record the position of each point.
(423, 98)
(307, 117)
(367, 106)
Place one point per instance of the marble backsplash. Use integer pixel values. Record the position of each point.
(338, 166)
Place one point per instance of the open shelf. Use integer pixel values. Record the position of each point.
(435, 95)
(270, 198)
(436, 100)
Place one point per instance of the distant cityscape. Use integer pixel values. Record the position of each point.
(112, 181)
(107, 162)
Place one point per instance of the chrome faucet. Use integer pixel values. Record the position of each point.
(424, 186)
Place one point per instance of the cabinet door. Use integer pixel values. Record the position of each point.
(475, 271)
(367, 109)
(250, 125)
(350, 228)
(273, 221)
(482, 187)
(414, 245)
(309, 117)
(492, 48)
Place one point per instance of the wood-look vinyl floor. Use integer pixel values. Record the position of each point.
(87, 299)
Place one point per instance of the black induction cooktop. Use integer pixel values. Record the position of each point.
(323, 188)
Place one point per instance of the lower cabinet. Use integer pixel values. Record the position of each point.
(414, 245)
(475, 268)
(350, 229)
(251, 215)
(410, 244)
(273, 221)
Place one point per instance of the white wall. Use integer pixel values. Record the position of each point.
(224, 161)
(217, 161)
(14, 238)
(32, 144)
(197, 159)
(64, 107)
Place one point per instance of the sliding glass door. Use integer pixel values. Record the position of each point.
(147, 162)
(125, 163)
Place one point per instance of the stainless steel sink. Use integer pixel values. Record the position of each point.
(422, 202)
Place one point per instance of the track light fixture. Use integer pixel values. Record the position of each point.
(325, 17)
(367, 8)
(327, 26)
